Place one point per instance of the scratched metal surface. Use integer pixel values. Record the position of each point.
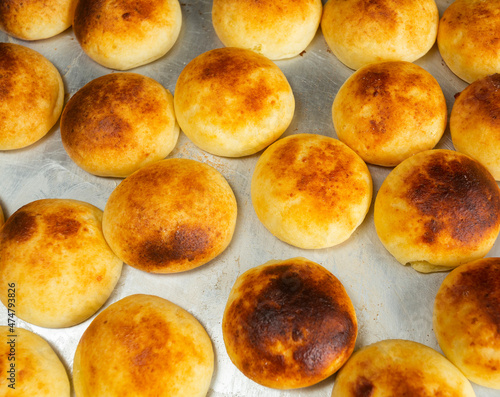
(391, 301)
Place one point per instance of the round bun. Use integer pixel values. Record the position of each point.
(31, 98)
(35, 369)
(387, 112)
(36, 19)
(53, 250)
(129, 33)
(466, 320)
(170, 216)
(289, 324)
(143, 345)
(260, 25)
(119, 123)
(438, 210)
(361, 32)
(474, 124)
(468, 38)
(233, 102)
(400, 368)
(311, 191)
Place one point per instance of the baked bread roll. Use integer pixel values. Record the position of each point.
(275, 29)
(400, 368)
(388, 111)
(119, 123)
(468, 38)
(171, 216)
(31, 98)
(53, 250)
(143, 345)
(361, 32)
(438, 210)
(474, 125)
(311, 191)
(36, 19)
(289, 324)
(29, 365)
(233, 102)
(466, 320)
(129, 33)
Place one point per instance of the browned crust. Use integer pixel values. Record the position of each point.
(289, 324)
(456, 196)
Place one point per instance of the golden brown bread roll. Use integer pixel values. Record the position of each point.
(29, 366)
(143, 345)
(466, 320)
(289, 324)
(36, 19)
(475, 122)
(31, 98)
(54, 252)
(388, 111)
(275, 29)
(311, 191)
(468, 38)
(119, 123)
(128, 33)
(438, 210)
(400, 368)
(233, 102)
(170, 216)
(361, 32)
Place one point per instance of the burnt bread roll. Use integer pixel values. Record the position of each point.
(466, 320)
(119, 123)
(468, 38)
(438, 210)
(275, 29)
(31, 98)
(129, 33)
(388, 111)
(30, 367)
(361, 32)
(289, 324)
(311, 191)
(233, 102)
(54, 251)
(475, 122)
(170, 216)
(143, 345)
(36, 19)
(400, 368)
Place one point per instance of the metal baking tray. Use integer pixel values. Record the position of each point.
(391, 301)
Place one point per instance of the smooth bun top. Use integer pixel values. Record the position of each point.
(128, 33)
(143, 345)
(233, 102)
(54, 251)
(361, 32)
(38, 371)
(119, 123)
(36, 19)
(468, 38)
(388, 111)
(311, 191)
(289, 324)
(467, 322)
(275, 29)
(170, 216)
(475, 122)
(437, 210)
(400, 368)
(31, 96)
